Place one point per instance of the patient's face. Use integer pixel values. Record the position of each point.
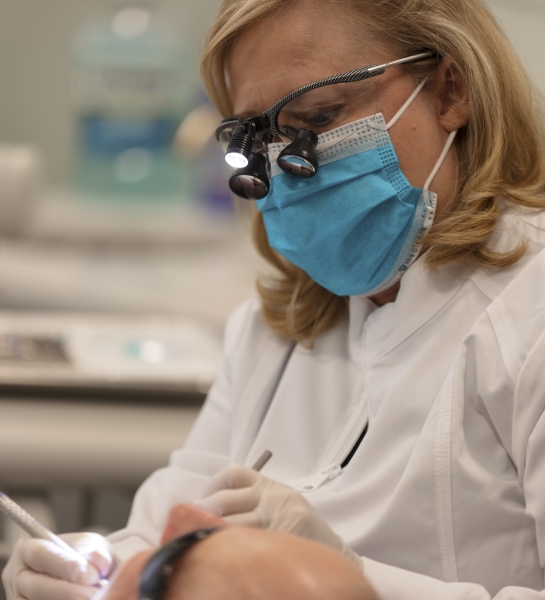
(253, 564)
(182, 519)
(246, 564)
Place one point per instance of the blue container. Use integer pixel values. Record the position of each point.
(134, 82)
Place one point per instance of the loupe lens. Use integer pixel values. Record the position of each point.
(252, 181)
(299, 157)
(248, 186)
(296, 166)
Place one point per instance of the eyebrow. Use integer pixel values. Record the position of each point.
(247, 114)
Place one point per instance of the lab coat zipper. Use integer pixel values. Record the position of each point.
(355, 447)
(355, 432)
(334, 469)
(313, 483)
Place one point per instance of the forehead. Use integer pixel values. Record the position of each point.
(297, 45)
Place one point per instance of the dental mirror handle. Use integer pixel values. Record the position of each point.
(36, 530)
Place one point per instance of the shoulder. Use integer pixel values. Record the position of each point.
(516, 311)
(246, 326)
(502, 359)
(516, 225)
(249, 340)
(251, 347)
(247, 315)
(515, 315)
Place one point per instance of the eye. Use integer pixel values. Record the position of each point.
(323, 118)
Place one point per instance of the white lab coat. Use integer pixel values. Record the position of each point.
(445, 497)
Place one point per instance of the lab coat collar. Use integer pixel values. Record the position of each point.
(422, 294)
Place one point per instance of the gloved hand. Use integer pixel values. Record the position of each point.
(41, 570)
(244, 497)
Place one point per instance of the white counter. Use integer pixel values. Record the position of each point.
(45, 443)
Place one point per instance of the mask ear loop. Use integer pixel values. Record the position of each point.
(440, 161)
(450, 139)
(409, 101)
(326, 145)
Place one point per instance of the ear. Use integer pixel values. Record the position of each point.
(452, 96)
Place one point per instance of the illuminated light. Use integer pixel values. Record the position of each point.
(236, 160)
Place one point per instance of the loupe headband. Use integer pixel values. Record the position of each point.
(268, 120)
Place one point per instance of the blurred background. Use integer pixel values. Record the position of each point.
(121, 254)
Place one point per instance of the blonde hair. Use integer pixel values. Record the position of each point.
(500, 151)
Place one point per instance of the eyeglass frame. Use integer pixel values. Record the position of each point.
(158, 569)
(267, 121)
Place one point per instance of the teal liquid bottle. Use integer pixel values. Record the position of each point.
(134, 82)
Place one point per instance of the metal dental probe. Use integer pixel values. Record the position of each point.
(36, 530)
(262, 460)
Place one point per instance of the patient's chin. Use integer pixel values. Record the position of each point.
(185, 518)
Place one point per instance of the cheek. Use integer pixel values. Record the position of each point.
(418, 140)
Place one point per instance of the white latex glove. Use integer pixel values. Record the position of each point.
(41, 570)
(244, 497)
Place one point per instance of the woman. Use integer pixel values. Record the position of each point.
(401, 395)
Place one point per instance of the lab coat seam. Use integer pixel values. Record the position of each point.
(477, 278)
(443, 484)
(251, 399)
(237, 328)
(527, 452)
(502, 340)
(529, 440)
(528, 223)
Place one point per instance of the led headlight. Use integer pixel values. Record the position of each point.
(240, 144)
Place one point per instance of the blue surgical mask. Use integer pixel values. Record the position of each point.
(356, 226)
